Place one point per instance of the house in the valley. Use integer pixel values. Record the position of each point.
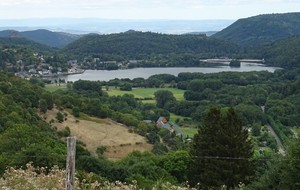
(163, 122)
(72, 62)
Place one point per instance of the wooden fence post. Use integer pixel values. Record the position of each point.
(70, 166)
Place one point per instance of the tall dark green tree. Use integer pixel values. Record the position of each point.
(221, 151)
(162, 97)
(49, 100)
(43, 106)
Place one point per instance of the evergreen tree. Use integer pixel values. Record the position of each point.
(162, 97)
(221, 151)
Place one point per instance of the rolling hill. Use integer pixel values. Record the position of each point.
(140, 45)
(261, 29)
(21, 41)
(46, 37)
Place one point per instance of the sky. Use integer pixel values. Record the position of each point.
(144, 9)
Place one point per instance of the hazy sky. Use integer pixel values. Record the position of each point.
(144, 9)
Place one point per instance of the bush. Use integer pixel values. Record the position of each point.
(60, 117)
(76, 111)
(38, 179)
(126, 87)
(100, 150)
(64, 133)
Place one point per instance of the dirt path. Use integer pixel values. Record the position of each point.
(278, 140)
(281, 148)
(295, 133)
(117, 139)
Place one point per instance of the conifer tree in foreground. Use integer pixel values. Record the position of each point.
(221, 151)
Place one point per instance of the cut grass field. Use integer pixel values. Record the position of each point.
(142, 93)
(145, 92)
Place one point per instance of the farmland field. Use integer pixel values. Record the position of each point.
(55, 87)
(145, 92)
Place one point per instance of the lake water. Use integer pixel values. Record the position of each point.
(105, 75)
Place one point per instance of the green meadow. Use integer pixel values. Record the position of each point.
(188, 131)
(55, 87)
(174, 117)
(145, 92)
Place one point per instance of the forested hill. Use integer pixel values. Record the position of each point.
(261, 29)
(283, 53)
(20, 41)
(46, 37)
(24, 136)
(140, 45)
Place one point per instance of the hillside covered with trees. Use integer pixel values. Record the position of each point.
(45, 37)
(261, 29)
(282, 53)
(20, 41)
(144, 45)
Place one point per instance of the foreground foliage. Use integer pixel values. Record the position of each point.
(25, 137)
(54, 178)
(221, 151)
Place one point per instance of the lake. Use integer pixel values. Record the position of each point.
(105, 75)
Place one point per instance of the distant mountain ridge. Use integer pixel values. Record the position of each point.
(207, 33)
(108, 26)
(46, 37)
(21, 41)
(276, 38)
(261, 29)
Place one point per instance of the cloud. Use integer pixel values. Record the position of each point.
(280, 1)
(147, 9)
(21, 2)
(9, 3)
(137, 3)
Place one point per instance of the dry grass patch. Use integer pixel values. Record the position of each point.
(96, 132)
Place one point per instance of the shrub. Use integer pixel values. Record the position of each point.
(60, 117)
(38, 179)
(100, 150)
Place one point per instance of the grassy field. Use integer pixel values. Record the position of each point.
(146, 92)
(173, 117)
(96, 132)
(188, 131)
(137, 92)
(55, 87)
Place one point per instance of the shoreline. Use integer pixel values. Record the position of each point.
(61, 74)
